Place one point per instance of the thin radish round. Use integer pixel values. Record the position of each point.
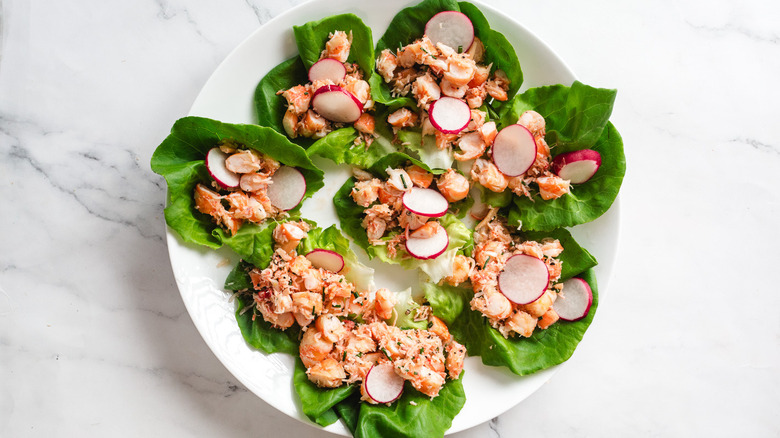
(449, 115)
(514, 150)
(326, 259)
(336, 104)
(425, 202)
(327, 69)
(577, 166)
(287, 188)
(524, 279)
(426, 248)
(574, 300)
(451, 28)
(382, 383)
(215, 163)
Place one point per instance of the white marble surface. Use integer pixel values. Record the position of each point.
(95, 340)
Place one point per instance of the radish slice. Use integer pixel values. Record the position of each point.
(382, 383)
(327, 69)
(451, 28)
(524, 279)
(449, 115)
(574, 300)
(425, 202)
(336, 104)
(288, 186)
(326, 259)
(577, 166)
(215, 163)
(429, 247)
(514, 150)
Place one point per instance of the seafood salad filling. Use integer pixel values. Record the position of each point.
(345, 330)
(428, 72)
(493, 246)
(332, 73)
(231, 207)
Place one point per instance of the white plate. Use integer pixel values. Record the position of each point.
(200, 273)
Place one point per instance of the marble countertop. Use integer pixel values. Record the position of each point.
(95, 340)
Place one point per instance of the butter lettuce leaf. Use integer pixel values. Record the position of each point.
(180, 159)
(318, 403)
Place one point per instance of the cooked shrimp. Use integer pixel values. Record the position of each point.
(375, 227)
(245, 161)
(475, 96)
(278, 320)
(425, 90)
(452, 185)
(481, 75)
(338, 46)
(254, 182)
(456, 353)
(471, 146)
(498, 86)
(451, 90)
(541, 305)
(444, 141)
(533, 121)
(409, 220)
(365, 124)
(477, 50)
(313, 348)
(421, 377)
(290, 123)
(419, 176)
(398, 179)
(439, 328)
(492, 304)
(552, 187)
(365, 193)
(210, 203)
(521, 323)
(487, 174)
(488, 132)
(306, 307)
(384, 303)
(331, 327)
(460, 70)
(287, 235)
(402, 118)
(298, 99)
(548, 319)
(244, 207)
(327, 374)
(360, 89)
(386, 64)
(461, 267)
(426, 231)
(313, 125)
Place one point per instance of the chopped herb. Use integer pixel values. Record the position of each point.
(335, 305)
(403, 181)
(460, 49)
(415, 373)
(355, 294)
(486, 262)
(385, 352)
(398, 343)
(359, 354)
(344, 356)
(430, 324)
(422, 350)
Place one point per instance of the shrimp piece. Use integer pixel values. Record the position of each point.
(338, 46)
(471, 146)
(444, 141)
(254, 182)
(313, 348)
(360, 340)
(460, 70)
(481, 75)
(402, 118)
(554, 267)
(492, 304)
(210, 203)
(244, 207)
(498, 86)
(361, 175)
(365, 193)
(487, 174)
(492, 250)
(551, 247)
(426, 231)
(365, 124)
(461, 267)
(289, 234)
(552, 187)
(360, 89)
(331, 327)
(282, 303)
(477, 120)
(298, 265)
(412, 221)
(277, 320)
(541, 305)
(313, 125)
(306, 306)
(419, 176)
(290, 123)
(384, 303)
(375, 228)
(475, 96)
(456, 353)
(439, 328)
(451, 90)
(425, 90)
(399, 180)
(245, 161)
(521, 323)
(327, 374)
(477, 50)
(488, 132)
(298, 99)
(452, 185)
(534, 122)
(549, 318)
(421, 377)
(386, 64)
(402, 83)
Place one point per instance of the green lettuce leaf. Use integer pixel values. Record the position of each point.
(409, 25)
(310, 39)
(180, 160)
(522, 356)
(339, 146)
(318, 403)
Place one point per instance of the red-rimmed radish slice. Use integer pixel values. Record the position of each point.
(574, 300)
(451, 28)
(514, 150)
(382, 383)
(287, 188)
(577, 166)
(336, 104)
(215, 163)
(449, 115)
(524, 279)
(329, 69)
(426, 248)
(326, 259)
(425, 202)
